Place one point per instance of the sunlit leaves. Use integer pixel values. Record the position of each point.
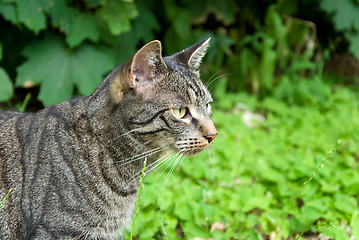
(58, 69)
(259, 174)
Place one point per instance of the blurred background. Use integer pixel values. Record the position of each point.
(280, 48)
(284, 76)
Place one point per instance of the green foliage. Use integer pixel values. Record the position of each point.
(279, 179)
(265, 50)
(345, 19)
(74, 59)
(82, 67)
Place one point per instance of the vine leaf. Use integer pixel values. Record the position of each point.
(6, 89)
(8, 11)
(83, 27)
(58, 69)
(346, 13)
(77, 26)
(31, 14)
(146, 23)
(118, 14)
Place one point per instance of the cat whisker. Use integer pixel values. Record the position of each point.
(174, 157)
(213, 162)
(209, 80)
(126, 133)
(220, 76)
(149, 168)
(156, 167)
(177, 160)
(140, 156)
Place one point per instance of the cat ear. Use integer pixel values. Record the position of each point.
(193, 55)
(145, 64)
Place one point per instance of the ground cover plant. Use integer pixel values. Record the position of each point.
(265, 183)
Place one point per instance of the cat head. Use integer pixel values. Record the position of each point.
(163, 99)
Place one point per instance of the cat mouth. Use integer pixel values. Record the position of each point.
(191, 151)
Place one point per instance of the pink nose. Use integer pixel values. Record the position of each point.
(210, 136)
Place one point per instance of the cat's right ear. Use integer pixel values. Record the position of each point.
(146, 63)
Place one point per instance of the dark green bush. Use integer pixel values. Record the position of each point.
(55, 49)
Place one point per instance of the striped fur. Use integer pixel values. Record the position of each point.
(71, 166)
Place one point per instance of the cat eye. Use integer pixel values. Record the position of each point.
(180, 112)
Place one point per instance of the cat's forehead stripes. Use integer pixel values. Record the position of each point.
(194, 89)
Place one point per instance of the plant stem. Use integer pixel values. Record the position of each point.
(3, 201)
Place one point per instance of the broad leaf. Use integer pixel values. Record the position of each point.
(76, 25)
(145, 24)
(8, 11)
(6, 89)
(83, 27)
(346, 13)
(58, 69)
(31, 13)
(61, 14)
(118, 14)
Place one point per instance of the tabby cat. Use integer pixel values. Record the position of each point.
(72, 166)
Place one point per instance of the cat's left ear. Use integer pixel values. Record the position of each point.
(193, 55)
(145, 64)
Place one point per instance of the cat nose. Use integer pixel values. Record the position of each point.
(210, 137)
(211, 131)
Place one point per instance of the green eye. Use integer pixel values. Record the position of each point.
(180, 112)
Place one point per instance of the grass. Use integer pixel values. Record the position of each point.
(3, 201)
(279, 179)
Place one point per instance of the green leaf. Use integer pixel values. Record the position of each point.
(345, 203)
(354, 223)
(182, 23)
(61, 15)
(76, 25)
(183, 211)
(55, 67)
(256, 202)
(6, 89)
(224, 12)
(118, 14)
(8, 11)
(346, 13)
(0, 51)
(83, 27)
(31, 13)
(145, 24)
